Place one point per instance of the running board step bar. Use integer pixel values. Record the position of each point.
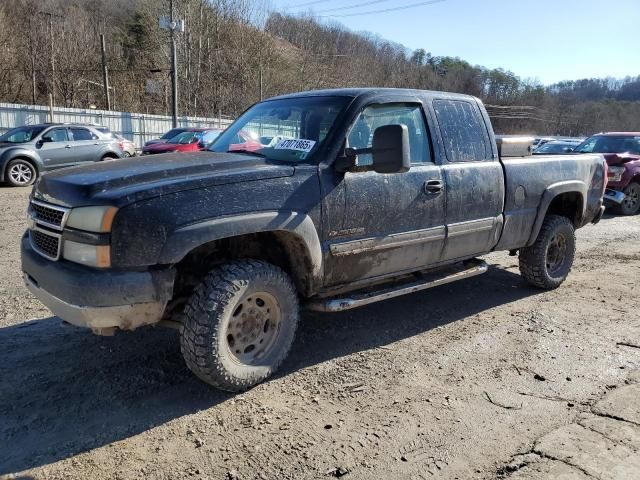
(470, 268)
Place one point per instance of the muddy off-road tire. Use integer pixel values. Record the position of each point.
(239, 324)
(631, 203)
(547, 262)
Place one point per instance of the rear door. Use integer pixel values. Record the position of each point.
(391, 223)
(57, 151)
(87, 147)
(473, 175)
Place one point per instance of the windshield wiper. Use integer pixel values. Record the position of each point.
(250, 152)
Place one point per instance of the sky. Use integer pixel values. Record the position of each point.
(545, 40)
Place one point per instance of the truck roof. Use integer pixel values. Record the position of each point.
(359, 92)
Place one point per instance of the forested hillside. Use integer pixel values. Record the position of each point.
(229, 45)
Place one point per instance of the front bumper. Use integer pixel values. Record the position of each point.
(98, 299)
(614, 196)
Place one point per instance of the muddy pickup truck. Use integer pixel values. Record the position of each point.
(354, 196)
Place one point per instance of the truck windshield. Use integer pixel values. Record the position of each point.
(290, 129)
(610, 144)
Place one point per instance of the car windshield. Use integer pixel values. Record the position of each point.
(21, 134)
(610, 144)
(290, 129)
(552, 147)
(172, 133)
(185, 137)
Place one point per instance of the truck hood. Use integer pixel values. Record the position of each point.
(120, 182)
(620, 158)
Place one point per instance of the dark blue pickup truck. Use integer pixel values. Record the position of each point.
(325, 200)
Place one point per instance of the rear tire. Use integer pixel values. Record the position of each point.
(547, 262)
(239, 324)
(631, 203)
(20, 173)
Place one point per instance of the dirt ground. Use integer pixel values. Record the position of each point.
(462, 381)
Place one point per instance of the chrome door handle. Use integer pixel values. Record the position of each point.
(67, 146)
(433, 186)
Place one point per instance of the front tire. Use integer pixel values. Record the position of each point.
(631, 203)
(20, 173)
(547, 263)
(239, 324)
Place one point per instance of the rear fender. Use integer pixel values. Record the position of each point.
(552, 192)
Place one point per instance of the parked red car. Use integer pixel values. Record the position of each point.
(622, 152)
(192, 140)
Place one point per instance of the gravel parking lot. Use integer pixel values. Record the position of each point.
(485, 378)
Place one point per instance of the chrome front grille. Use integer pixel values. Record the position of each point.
(49, 215)
(46, 243)
(45, 232)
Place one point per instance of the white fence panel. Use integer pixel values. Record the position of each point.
(138, 127)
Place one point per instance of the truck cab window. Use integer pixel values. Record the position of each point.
(374, 116)
(464, 134)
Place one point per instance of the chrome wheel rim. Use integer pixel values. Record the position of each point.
(556, 253)
(21, 173)
(253, 327)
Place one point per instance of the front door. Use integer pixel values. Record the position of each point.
(55, 148)
(391, 223)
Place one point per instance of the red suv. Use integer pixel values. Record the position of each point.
(622, 152)
(191, 140)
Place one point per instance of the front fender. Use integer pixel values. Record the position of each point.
(14, 152)
(551, 192)
(185, 239)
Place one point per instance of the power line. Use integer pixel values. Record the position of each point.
(349, 7)
(385, 10)
(306, 4)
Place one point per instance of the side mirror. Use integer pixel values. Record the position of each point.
(568, 149)
(46, 139)
(390, 149)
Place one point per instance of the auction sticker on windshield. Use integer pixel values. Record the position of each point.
(298, 144)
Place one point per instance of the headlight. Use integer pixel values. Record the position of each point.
(616, 173)
(92, 219)
(91, 255)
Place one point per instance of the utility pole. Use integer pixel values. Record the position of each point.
(174, 71)
(52, 80)
(105, 74)
(33, 64)
(172, 24)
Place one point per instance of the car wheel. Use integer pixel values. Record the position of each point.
(20, 173)
(631, 203)
(547, 262)
(126, 154)
(239, 324)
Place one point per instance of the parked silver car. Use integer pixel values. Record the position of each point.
(27, 151)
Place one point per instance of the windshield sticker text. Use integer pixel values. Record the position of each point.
(299, 144)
